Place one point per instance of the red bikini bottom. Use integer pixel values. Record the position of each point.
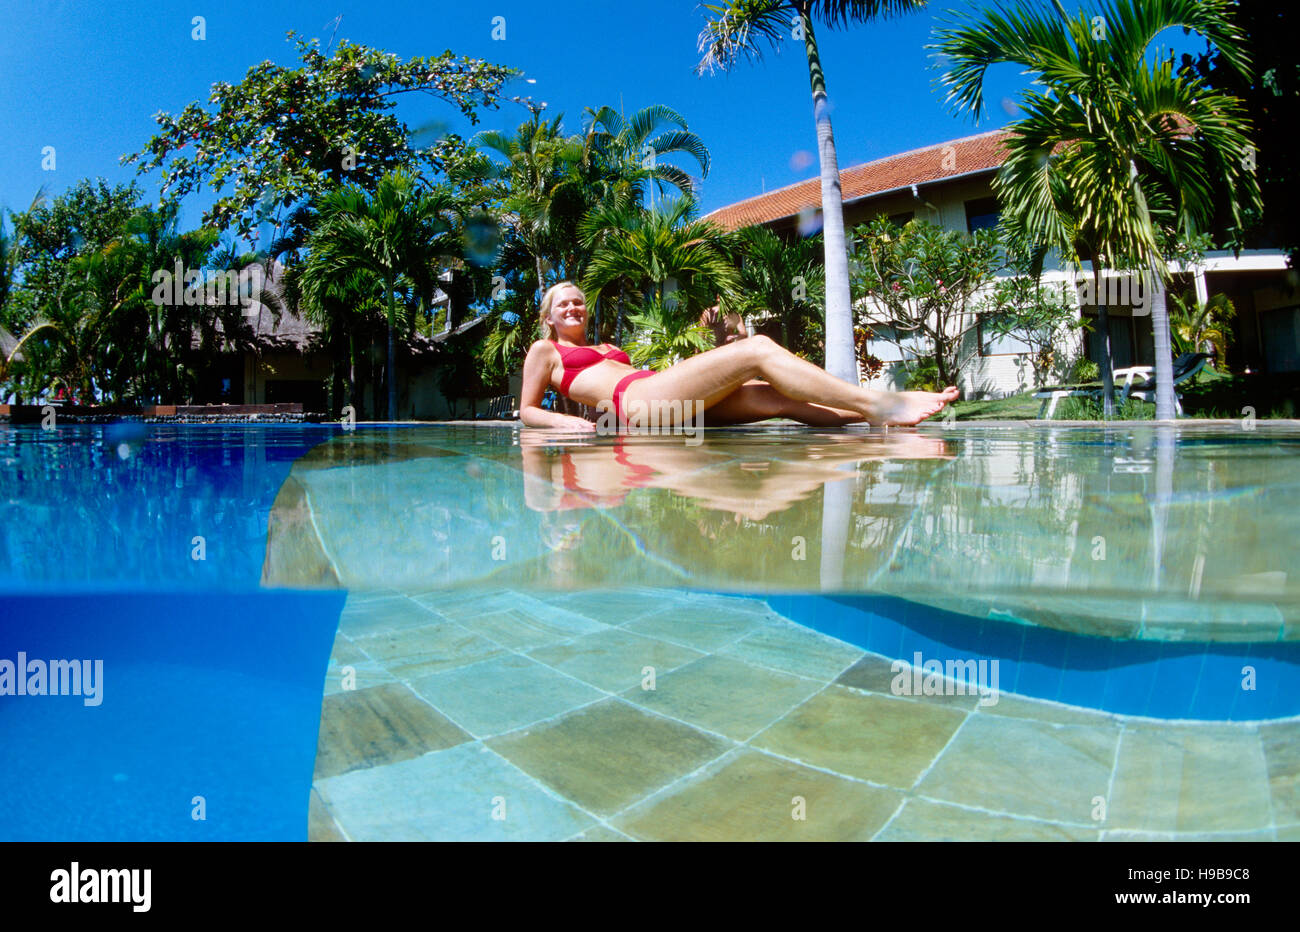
(622, 385)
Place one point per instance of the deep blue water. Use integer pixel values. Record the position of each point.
(210, 700)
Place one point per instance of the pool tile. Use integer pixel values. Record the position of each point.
(432, 648)
(1051, 712)
(888, 741)
(752, 797)
(502, 693)
(523, 630)
(1210, 620)
(449, 795)
(1026, 768)
(347, 677)
(320, 824)
(611, 608)
(613, 659)
(756, 606)
(1267, 834)
(600, 833)
(358, 596)
(372, 727)
(458, 605)
(344, 651)
(1281, 744)
(925, 820)
(873, 673)
(1176, 779)
(380, 616)
(794, 649)
(702, 628)
(724, 695)
(609, 755)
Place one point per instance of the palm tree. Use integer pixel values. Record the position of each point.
(733, 32)
(1113, 139)
(542, 199)
(650, 251)
(623, 155)
(400, 235)
(666, 335)
(781, 279)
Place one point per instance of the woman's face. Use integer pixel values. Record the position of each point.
(568, 310)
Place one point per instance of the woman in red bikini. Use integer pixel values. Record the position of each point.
(720, 382)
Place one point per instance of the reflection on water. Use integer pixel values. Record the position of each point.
(1132, 530)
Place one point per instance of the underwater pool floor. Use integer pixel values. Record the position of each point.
(505, 715)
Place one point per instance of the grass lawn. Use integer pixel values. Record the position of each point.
(1212, 394)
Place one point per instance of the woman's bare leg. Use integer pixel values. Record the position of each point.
(757, 401)
(713, 375)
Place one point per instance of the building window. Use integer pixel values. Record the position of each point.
(903, 219)
(981, 214)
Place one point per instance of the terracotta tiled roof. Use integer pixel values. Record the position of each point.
(920, 166)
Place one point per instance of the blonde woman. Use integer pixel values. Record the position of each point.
(720, 382)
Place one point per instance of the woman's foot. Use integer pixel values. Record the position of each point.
(903, 409)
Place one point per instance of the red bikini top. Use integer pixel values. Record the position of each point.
(577, 358)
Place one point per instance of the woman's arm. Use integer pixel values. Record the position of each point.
(537, 379)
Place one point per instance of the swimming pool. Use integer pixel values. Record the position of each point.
(476, 632)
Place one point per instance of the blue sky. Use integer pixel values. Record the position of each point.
(87, 77)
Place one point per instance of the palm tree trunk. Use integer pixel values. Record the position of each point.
(392, 352)
(1165, 410)
(1103, 331)
(840, 359)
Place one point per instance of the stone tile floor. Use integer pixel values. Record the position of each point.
(653, 715)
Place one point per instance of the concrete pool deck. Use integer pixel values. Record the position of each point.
(505, 715)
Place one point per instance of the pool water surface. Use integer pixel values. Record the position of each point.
(477, 632)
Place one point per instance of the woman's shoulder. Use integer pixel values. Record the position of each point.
(541, 346)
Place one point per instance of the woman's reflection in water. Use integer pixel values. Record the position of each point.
(564, 476)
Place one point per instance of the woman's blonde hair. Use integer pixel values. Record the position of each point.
(548, 332)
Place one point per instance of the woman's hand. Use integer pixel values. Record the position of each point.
(575, 423)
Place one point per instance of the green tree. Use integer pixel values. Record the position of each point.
(921, 282)
(1113, 138)
(1021, 306)
(53, 232)
(664, 335)
(662, 255)
(402, 236)
(283, 136)
(624, 156)
(542, 197)
(1203, 326)
(1271, 95)
(785, 281)
(734, 30)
